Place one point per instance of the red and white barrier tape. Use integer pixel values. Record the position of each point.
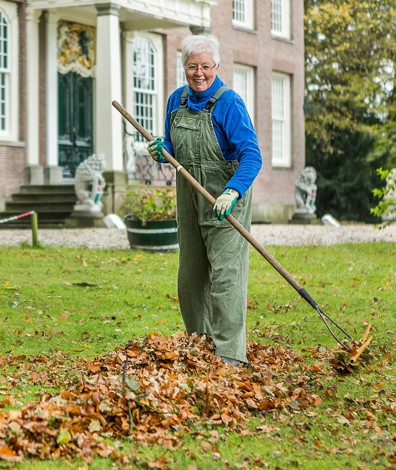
(26, 214)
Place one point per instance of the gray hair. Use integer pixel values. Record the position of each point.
(200, 43)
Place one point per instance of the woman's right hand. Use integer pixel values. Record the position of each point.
(154, 148)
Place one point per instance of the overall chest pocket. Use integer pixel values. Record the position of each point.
(186, 135)
(187, 122)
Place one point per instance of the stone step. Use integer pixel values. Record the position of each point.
(53, 205)
(37, 197)
(47, 189)
(39, 206)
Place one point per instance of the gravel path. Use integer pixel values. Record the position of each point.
(267, 235)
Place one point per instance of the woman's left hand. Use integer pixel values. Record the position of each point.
(225, 203)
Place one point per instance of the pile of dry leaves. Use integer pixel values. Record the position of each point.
(152, 390)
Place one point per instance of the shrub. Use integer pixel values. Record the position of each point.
(386, 207)
(151, 203)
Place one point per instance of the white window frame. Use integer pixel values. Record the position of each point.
(11, 111)
(180, 75)
(243, 14)
(280, 19)
(243, 84)
(158, 91)
(281, 120)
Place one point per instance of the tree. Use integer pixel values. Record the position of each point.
(350, 86)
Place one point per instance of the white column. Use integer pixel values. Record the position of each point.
(34, 172)
(108, 86)
(53, 172)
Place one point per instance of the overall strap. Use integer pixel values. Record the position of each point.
(183, 98)
(210, 105)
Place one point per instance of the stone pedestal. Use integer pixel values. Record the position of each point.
(114, 197)
(304, 219)
(85, 219)
(53, 175)
(34, 175)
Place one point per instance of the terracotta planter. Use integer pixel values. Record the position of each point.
(157, 235)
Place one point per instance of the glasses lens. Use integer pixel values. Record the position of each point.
(194, 68)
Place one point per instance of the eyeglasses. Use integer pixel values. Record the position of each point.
(204, 68)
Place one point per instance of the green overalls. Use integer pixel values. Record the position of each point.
(213, 258)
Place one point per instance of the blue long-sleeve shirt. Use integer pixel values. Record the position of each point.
(233, 128)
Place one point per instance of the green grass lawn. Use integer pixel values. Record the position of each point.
(60, 306)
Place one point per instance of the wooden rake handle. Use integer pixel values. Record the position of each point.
(180, 169)
(245, 233)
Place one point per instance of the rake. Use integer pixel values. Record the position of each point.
(355, 348)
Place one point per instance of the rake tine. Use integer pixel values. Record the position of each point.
(336, 325)
(324, 317)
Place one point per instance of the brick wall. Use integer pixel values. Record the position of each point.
(255, 48)
(12, 163)
(12, 157)
(273, 186)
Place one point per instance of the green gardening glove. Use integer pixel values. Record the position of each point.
(154, 148)
(225, 203)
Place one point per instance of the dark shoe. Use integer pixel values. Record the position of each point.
(232, 362)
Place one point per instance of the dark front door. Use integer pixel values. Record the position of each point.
(75, 121)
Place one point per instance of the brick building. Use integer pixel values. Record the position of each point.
(63, 62)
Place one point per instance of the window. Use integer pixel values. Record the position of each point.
(242, 14)
(144, 81)
(180, 75)
(281, 18)
(8, 71)
(281, 123)
(243, 84)
(4, 72)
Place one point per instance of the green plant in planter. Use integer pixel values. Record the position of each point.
(149, 203)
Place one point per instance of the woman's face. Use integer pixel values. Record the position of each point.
(200, 71)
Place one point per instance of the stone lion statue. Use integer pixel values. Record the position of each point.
(89, 184)
(305, 191)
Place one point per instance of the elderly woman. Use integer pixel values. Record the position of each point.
(209, 132)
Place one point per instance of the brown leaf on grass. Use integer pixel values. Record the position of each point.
(152, 390)
(7, 400)
(8, 454)
(160, 463)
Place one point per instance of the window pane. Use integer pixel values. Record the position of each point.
(3, 101)
(144, 83)
(238, 11)
(281, 125)
(180, 75)
(4, 73)
(240, 83)
(243, 84)
(277, 140)
(277, 16)
(277, 98)
(280, 16)
(243, 13)
(3, 43)
(143, 65)
(144, 111)
(277, 120)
